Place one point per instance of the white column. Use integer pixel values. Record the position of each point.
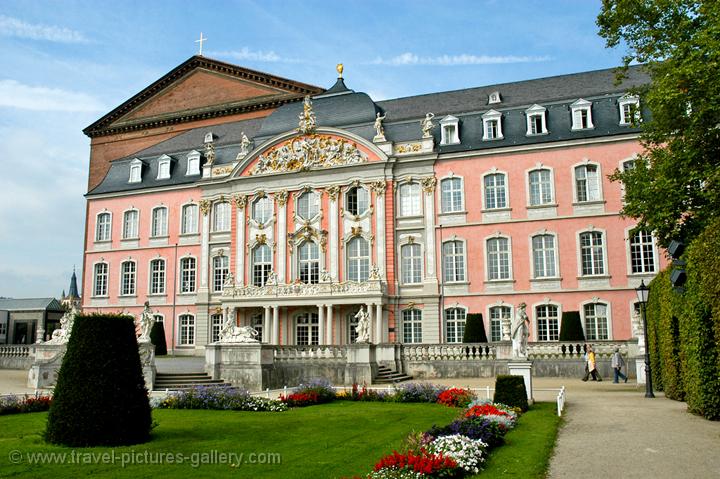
(266, 325)
(281, 243)
(379, 323)
(330, 325)
(333, 238)
(380, 231)
(430, 232)
(205, 250)
(276, 325)
(321, 324)
(240, 249)
(371, 321)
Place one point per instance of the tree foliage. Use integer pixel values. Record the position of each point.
(675, 188)
(474, 329)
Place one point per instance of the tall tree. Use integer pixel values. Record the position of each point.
(675, 188)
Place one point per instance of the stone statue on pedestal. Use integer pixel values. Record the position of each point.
(146, 323)
(363, 326)
(379, 130)
(230, 333)
(520, 333)
(62, 335)
(427, 125)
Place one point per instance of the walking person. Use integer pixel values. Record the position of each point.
(617, 364)
(591, 365)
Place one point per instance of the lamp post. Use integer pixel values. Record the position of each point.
(642, 294)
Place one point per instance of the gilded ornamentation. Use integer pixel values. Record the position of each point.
(307, 233)
(260, 194)
(374, 273)
(333, 192)
(310, 151)
(307, 123)
(428, 184)
(240, 201)
(409, 148)
(281, 198)
(356, 230)
(378, 187)
(261, 238)
(410, 305)
(222, 170)
(205, 207)
(411, 239)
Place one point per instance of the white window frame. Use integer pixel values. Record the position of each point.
(193, 163)
(220, 271)
(414, 318)
(312, 323)
(459, 208)
(406, 196)
(528, 173)
(135, 171)
(105, 289)
(195, 222)
(106, 232)
(509, 258)
(451, 125)
(578, 106)
(221, 223)
(536, 323)
(151, 277)
(608, 306)
(456, 279)
(187, 330)
(412, 268)
(506, 188)
(653, 244)
(217, 321)
(489, 315)
(299, 262)
(556, 263)
(267, 267)
(134, 232)
(269, 209)
(347, 200)
(159, 229)
(490, 116)
(458, 324)
(164, 162)
(181, 289)
(132, 279)
(629, 100)
(536, 110)
(362, 267)
(581, 273)
(576, 197)
(317, 199)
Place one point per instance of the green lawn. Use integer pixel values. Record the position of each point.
(333, 440)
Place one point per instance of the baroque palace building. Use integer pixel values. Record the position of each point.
(220, 190)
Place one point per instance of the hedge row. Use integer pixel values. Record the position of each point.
(684, 329)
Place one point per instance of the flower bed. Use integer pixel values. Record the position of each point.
(317, 391)
(455, 397)
(214, 397)
(16, 405)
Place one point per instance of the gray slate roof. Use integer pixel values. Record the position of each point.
(355, 112)
(30, 304)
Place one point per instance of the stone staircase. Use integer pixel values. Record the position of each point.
(385, 375)
(179, 381)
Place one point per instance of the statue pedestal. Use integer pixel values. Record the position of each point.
(147, 360)
(640, 368)
(360, 363)
(241, 364)
(520, 367)
(503, 350)
(47, 359)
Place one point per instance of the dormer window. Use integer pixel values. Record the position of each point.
(536, 122)
(209, 137)
(449, 131)
(581, 115)
(494, 98)
(629, 109)
(492, 125)
(163, 168)
(135, 171)
(193, 164)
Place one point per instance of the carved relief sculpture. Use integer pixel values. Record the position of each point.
(428, 184)
(281, 198)
(378, 187)
(240, 201)
(205, 207)
(333, 192)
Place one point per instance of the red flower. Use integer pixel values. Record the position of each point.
(485, 410)
(424, 463)
(455, 397)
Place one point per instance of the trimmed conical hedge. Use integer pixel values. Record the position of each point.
(474, 329)
(100, 398)
(571, 327)
(157, 337)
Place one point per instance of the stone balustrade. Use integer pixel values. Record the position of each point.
(15, 350)
(570, 350)
(303, 290)
(448, 352)
(304, 353)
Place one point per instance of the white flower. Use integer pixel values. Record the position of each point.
(468, 453)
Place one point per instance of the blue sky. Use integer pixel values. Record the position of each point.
(67, 63)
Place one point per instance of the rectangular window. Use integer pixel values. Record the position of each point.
(596, 322)
(536, 124)
(451, 199)
(187, 275)
(127, 287)
(497, 314)
(592, 253)
(163, 170)
(130, 224)
(100, 282)
(187, 330)
(189, 219)
(581, 119)
(358, 260)
(135, 171)
(547, 323)
(159, 222)
(491, 129)
(454, 325)
(543, 247)
(262, 264)
(412, 326)
(103, 227)
(411, 263)
(221, 216)
(453, 261)
(410, 199)
(642, 252)
(193, 166)
(540, 187)
(216, 325)
(495, 191)
(498, 258)
(157, 276)
(221, 268)
(587, 183)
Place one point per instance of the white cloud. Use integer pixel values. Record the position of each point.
(253, 55)
(452, 60)
(14, 94)
(13, 27)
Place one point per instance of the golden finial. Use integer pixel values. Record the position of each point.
(339, 69)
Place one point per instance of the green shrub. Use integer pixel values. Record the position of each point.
(100, 397)
(571, 327)
(474, 329)
(510, 390)
(157, 337)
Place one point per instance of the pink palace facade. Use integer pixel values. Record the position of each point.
(292, 216)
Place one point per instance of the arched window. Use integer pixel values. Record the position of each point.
(358, 259)
(454, 325)
(453, 261)
(540, 186)
(221, 268)
(495, 191)
(547, 321)
(544, 254)
(596, 321)
(642, 252)
(498, 258)
(103, 227)
(587, 183)
(130, 224)
(307, 330)
(100, 280)
(451, 197)
(188, 269)
(412, 326)
(262, 264)
(411, 263)
(221, 216)
(497, 313)
(157, 276)
(159, 222)
(592, 253)
(128, 274)
(256, 322)
(189, 223)
(357, 200)
(187, 330)
(410, 199)
(309, 262)
(262, 210)
(216, 324)
(308, 205)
